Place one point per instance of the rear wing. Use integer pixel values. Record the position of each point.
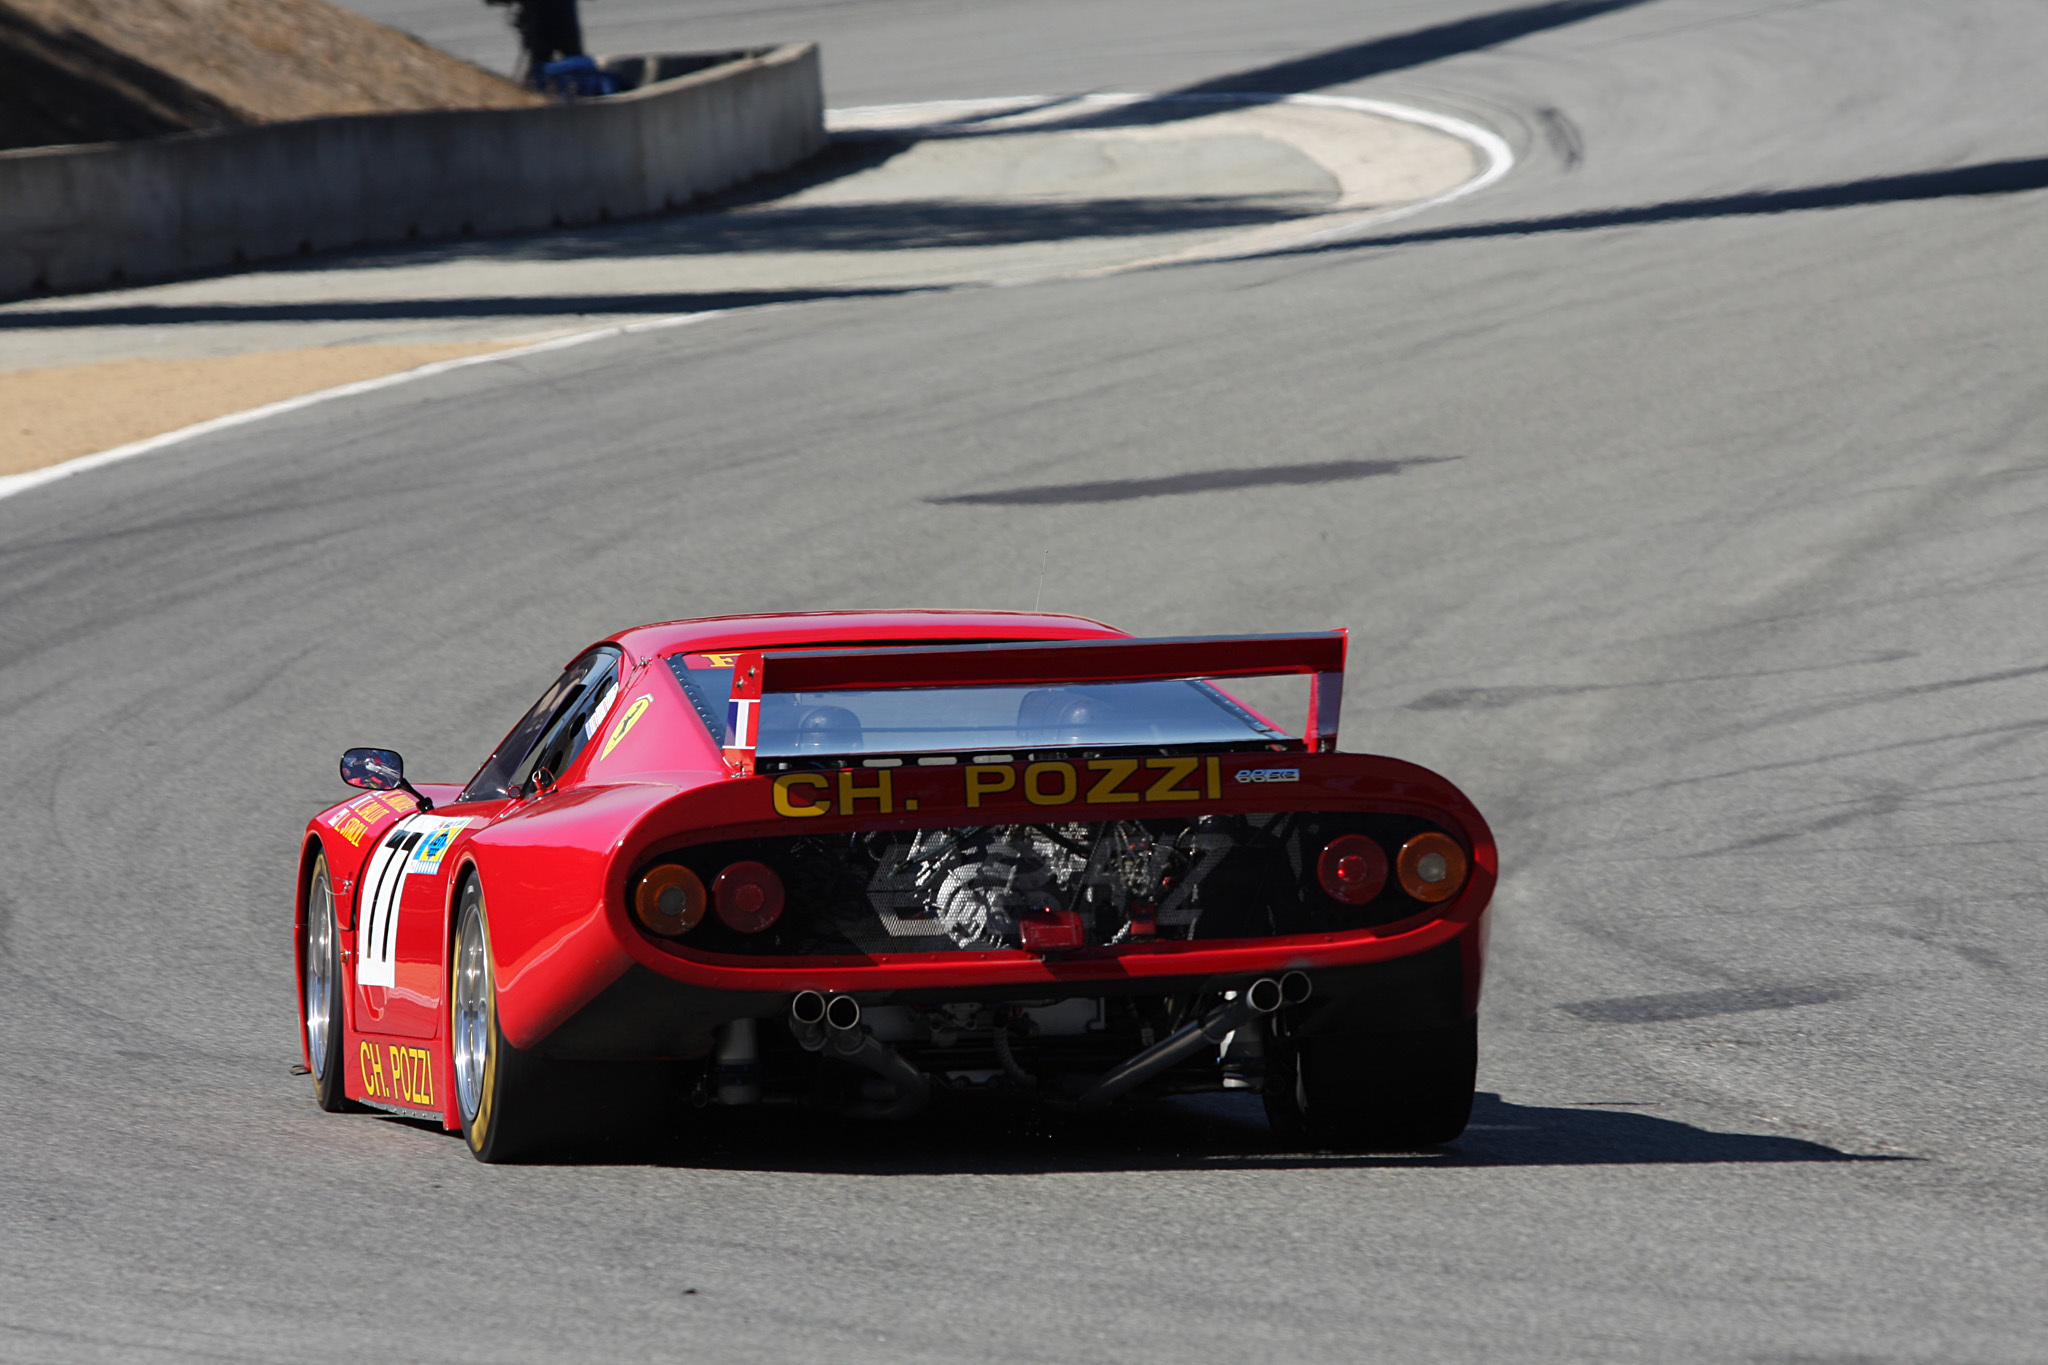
(1036, 664)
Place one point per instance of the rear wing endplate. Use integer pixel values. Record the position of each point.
(1039, 664)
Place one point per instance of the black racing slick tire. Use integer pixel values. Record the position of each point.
(321, 988)
(1375, 1092)
(498, 1088)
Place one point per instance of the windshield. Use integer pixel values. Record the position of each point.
(975, 719)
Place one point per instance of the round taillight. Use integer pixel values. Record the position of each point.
(1352, 869)
(1431, 867)
(670, 900)
(748, 896)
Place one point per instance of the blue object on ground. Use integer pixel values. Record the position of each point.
(577, 78)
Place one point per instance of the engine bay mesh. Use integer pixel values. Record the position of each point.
(975, 887)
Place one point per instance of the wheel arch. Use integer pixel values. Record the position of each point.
(451, 911)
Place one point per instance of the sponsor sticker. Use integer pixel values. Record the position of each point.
(352, 819)
(626, 723)
(600, 711)
(1269, 774)
(426, 857)
(408, 1078)
(1095, 782)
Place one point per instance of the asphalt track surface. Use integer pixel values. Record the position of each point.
(1684, 491)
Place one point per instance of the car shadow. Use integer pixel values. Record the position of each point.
(988, 1136)
(1343, 65)
(2021, 175)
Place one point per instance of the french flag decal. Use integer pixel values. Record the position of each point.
(740, 718)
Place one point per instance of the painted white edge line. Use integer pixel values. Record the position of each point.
(12, 484)
(1499, 161)
(1498, 156)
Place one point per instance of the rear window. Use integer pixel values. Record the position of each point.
(974, 719)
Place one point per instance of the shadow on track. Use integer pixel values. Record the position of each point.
(1195, 481)
(507, 306)
(988, 1136)
(1988, 178)
(1353, 62)
(869, 228)
(924, 224)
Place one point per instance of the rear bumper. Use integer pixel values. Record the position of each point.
(1420, 980)
(1074, 973)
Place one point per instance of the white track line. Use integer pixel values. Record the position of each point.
(1016, 112)
(12, 484)
(1498, 157)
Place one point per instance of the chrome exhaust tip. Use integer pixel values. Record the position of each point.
(807, 1020)
(842, 1012)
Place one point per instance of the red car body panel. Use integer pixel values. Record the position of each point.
(555, 867)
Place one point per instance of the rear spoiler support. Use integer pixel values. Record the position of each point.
(1039, 664)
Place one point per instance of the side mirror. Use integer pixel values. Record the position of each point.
(379, 770)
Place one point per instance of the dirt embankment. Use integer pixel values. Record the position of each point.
(103, 70)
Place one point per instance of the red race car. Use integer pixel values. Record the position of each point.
(863, 859)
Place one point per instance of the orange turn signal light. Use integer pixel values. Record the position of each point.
(1431, 867)
(670, 900)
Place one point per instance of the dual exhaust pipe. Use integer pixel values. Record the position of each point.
(831, 1024)
(815, 1017)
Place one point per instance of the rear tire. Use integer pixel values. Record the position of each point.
(497, 1087)
(1375, 1092)
(321, 987)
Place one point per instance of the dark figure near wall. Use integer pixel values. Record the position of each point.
(548, 30)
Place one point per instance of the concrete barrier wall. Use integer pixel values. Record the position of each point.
(111, 213)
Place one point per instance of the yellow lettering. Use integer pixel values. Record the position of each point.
(1034, 791)
(1167, 788)
(985, 779)
(418, 1083)
(879, 793)
(1215, 770)
(1114, 771)
(787, 804)
(371, 1067)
